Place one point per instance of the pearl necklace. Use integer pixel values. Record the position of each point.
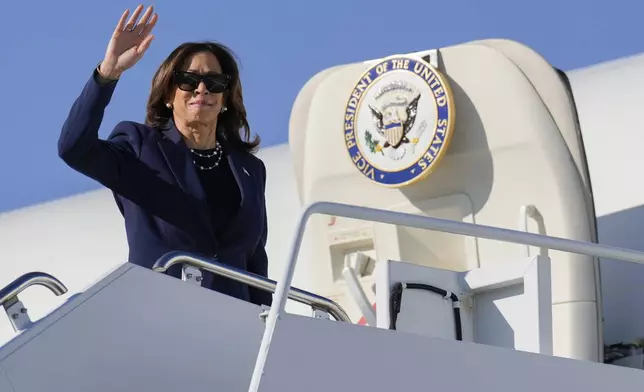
(217, 153)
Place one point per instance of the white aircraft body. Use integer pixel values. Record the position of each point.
(532, 150)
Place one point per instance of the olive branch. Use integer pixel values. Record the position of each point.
(371, 143)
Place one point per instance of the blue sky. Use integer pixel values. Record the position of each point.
(49, 49)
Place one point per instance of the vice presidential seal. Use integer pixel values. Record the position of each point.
(398, 121)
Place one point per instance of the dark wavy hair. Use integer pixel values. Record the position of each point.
(231, 121)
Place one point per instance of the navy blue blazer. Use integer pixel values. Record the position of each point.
(157, 189)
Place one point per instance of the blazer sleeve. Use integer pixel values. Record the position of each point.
(80, 147)
(258, 263)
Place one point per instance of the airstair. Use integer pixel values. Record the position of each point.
(449, 297)
(138, 329)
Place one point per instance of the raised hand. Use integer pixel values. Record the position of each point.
(128, 43)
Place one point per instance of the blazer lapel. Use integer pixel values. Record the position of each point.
(236, 163)
(180, 163)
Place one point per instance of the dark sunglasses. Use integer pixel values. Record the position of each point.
(189, 81)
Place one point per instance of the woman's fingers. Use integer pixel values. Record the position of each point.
(121, 23)
(148, 28)
(144, 45)
(141, 25)
(134, 17)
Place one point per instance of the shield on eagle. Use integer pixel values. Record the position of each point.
(395, 120)
(394, 131)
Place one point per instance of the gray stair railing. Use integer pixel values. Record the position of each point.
(419, 222)
(14, 308)
(194, 263)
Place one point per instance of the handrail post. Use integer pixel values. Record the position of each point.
(15, 309)
(531, 211)
(359, 296)
(191, 275)
(279, 299)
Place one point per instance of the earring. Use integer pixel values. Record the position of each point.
(169, 106)
(223, 109)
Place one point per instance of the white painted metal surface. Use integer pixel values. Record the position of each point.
(138, 330)
(372, 359)
(612, 131)
(5, 384)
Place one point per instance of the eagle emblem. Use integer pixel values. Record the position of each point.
(393, 123)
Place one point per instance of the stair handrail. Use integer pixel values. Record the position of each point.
(10, 292)
(419, 222)
(14, 308)
(257, 281)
